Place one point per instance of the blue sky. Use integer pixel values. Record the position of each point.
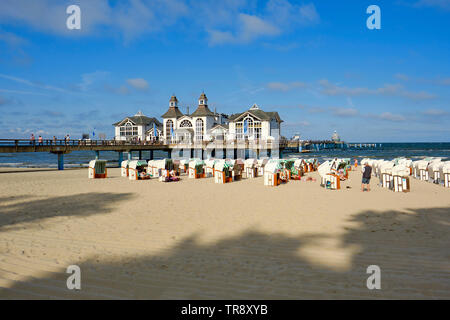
(315, 62)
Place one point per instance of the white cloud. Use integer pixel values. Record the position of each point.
(138, 83)
(282, 86)
(50, 15)
(226, 21)
(345, 112)
(33, 84)
(88, 79)
(442, 4)
(308, 13)
(436, 112)
(391, 117)
(250, 28)
(388, 89)
(12, 39)
(402, 76)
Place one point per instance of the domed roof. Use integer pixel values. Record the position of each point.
(203, 96)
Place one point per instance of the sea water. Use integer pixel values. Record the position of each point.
(387, 151)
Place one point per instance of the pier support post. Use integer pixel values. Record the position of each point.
(151, 154)
(130, 155)
(169, 154)
(97, 154)
(140, 154)
(60, 161)
(120, 157)
(192, 153)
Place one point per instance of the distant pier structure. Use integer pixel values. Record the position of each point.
(335, 143)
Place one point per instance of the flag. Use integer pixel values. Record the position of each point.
(93, 133)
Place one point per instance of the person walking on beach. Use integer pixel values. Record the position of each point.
(367, 173)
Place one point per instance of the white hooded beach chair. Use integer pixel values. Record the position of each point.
(386, 174)
(196, 169)
(250, 169)
(422, 168)
(209, 167)
(445, 174)
(137, 170)
(223, 171)
(400, 176)
(97, 169)
(434, 168)
(261, 163)
(124, 168)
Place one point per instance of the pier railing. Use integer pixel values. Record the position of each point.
(63, 142)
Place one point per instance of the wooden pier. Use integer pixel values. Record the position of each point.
(218, 149)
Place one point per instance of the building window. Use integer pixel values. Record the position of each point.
(257, 130)
(252, 128)
(239, 131)
(169, 127)
(199, 130)
(185, 124)
(128, 130)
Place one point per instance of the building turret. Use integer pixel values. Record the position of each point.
(173, 111)
(203, 100)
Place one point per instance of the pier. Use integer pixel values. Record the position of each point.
(217, 149)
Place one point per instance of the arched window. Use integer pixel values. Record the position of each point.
(185, 124)
(169, 126)
(199, 130)
(128, 130)
(249, 126)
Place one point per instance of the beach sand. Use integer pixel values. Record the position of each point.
(198, 240)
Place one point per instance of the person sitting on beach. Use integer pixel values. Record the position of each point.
(341, 174)
(367, 173)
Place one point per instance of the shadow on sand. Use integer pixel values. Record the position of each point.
(13, 212)
(411, 248)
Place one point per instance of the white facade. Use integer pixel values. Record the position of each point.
(138, 127)
(195, 128)
(255, 124)
(202, 125)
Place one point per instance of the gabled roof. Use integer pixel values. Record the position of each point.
(202, 111)
(139, 120)
(184, 130)
(223, 125)
(158, 127)
(173, 112)
(257, 113)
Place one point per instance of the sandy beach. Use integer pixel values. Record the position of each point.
(198, 240)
